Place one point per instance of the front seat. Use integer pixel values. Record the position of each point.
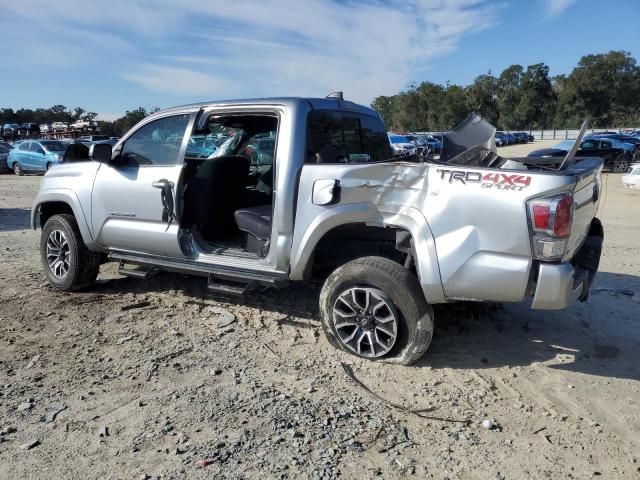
(255, 222)
(214, 193)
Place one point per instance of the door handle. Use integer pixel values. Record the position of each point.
(163, 183)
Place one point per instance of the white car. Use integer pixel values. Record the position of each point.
(632, 178)
(401, 145)
(60, 126)
(84, 125)
(44, 128)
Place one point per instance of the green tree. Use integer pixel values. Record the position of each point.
(482, 97)
(509, 90)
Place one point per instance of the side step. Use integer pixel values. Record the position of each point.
(140, 272)
(226, 287)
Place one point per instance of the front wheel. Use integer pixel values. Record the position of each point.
(67, 262)
(374, 308)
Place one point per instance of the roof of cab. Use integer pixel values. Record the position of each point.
(293, 102)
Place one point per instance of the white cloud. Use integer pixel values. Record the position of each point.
(176, 81)
(225, 48)
(557, 7)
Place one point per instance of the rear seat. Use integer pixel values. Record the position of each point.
(255, 222)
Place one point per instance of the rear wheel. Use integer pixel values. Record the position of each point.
(374, 308)
(17, 169)
(66, 260)
(620, 165)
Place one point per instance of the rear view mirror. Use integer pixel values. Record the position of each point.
(100, 152)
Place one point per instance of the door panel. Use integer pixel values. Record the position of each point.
(133, 197)
(127, 211)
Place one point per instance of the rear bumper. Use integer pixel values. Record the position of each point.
(559, 285)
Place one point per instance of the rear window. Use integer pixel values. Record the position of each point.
(337, 137)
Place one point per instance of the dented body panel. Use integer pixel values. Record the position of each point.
(469, 225)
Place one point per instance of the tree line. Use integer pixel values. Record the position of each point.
(60, 113)
(603, 87)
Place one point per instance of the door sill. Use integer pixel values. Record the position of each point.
(200, 266)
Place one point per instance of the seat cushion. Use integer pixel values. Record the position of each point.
(255, 221)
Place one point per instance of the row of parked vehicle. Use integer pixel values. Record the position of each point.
(510, 138)
(618, 150)
(29, 129)
(421, 144)
(38, 156)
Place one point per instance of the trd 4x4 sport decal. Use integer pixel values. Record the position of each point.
(500, 181)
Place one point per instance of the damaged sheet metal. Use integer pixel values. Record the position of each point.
(474, 133)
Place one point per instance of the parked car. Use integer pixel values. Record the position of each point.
(617, 157)
(94, 138)
(4, 153)
(386, 238)
(36, 156)
(434, 143)
(7, 145)
(523, 137)
(45, 129)
(84, 126)
(401, 145)
(501, 139)
(29, 129)
(59, 126)
(632, 178)
(422, 147)
(10, 130)
(624, 138)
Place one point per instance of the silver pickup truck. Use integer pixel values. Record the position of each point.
(272, 191)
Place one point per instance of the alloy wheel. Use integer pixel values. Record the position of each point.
(58, 253)
(366, 321)
(620, 166)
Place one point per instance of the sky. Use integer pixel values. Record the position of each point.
(112, 56)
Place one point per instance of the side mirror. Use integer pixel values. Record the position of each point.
(100, 152)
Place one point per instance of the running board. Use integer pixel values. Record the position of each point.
(135, 272)
(228, 288)
(219, 274)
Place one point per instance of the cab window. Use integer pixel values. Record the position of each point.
(156, 144)
(337, 137)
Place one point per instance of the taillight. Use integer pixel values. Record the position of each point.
(551, 221)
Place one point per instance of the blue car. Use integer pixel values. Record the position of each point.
(30, 156)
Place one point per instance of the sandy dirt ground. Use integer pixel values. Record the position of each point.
(145, 378)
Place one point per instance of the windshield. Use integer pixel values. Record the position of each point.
(398, 139)
(54, 146)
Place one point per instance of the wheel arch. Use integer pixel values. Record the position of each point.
(55, 203)
(334, 225)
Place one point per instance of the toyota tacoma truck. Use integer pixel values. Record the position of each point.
(185, 191)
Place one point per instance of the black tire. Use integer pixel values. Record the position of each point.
(17, 169)
(46, 169)
(399, 285)
(620, 164)
(83, 264)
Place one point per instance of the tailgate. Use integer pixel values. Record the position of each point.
(586, 198)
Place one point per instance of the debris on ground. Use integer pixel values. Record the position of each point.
(32, 362)
(52, 412)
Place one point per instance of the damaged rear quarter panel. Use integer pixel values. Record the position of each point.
(471, 237)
